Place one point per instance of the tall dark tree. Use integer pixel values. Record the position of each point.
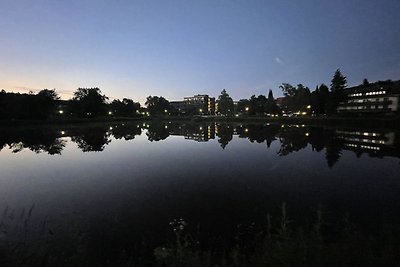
(270, 95)
(157, 105)
(365, 82)
(338, 82)
(271, 106)
(88, 102)
(225, 103)
(319, 99)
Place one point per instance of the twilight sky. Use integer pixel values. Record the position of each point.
(177, 48)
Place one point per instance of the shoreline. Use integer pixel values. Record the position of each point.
(386, 122)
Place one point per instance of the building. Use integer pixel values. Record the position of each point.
(375, 143)
(379, 97)
(198, 104)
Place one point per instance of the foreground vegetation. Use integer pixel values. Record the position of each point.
(279, 242)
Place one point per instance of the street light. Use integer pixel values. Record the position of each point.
(247, 109)
(61, 111)
(110, 113)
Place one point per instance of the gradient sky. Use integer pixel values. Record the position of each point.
(136, 48)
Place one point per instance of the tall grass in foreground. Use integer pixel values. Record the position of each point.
(284, 244)
(279, 242)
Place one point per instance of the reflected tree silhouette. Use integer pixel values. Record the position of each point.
(292, 140)
(126, 131)
(36, 140)
(92, 139)
(333, 152)
(259, 133)
(157, 132)
(225, 134)
(318, 138)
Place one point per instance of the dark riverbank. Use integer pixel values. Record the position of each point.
(392, 122)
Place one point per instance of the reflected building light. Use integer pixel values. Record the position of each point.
(61, 111)
(370, 147)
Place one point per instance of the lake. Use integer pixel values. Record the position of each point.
(123, 183)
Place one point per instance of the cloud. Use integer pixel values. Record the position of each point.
(279, 61)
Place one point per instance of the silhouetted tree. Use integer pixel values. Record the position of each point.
(333, 152)
(296, 98)
(157, 132)
(258, 104)
(157, 105)
(292, 139)
(319, 99)
(46, 103)
(126, 107)
(225, 103)
(225, 134)
(38, 140)
(126, 131)
(271, 106)
(88, 102)
(92, 139)
(338, 84)
(365, 82)
(243, 106)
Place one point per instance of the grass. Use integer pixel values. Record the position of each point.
(284, 244)
(278, 242)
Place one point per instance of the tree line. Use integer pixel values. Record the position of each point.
(86, 102)
(91, 102)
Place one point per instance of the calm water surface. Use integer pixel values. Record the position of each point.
(126, 181)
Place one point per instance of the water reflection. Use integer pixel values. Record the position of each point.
(291, 138)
